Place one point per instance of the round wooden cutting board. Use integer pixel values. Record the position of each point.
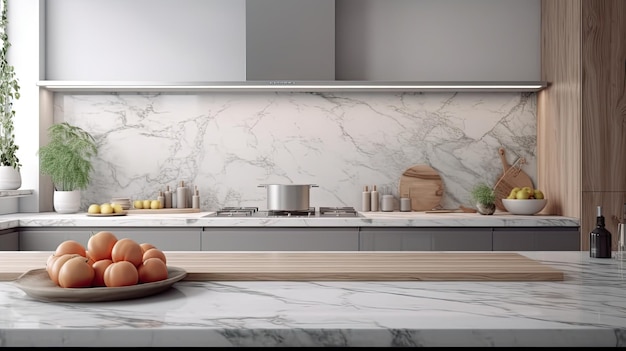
(423, 185)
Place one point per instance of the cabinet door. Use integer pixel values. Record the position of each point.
(42, 239)
(167, 239)
(536, 239)
(280, 239)
(394, 239)
(461, 239)
(9, 240)
(425, 239)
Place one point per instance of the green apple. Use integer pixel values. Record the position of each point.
(538, 194)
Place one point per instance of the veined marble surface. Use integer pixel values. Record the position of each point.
(227, 144)
(588, 308)
(366, 219)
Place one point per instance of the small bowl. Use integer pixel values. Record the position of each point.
(524, 206)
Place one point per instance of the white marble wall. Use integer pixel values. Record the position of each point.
(229, 143)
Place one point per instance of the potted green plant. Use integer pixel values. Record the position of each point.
(67, 160)
(485, 198)
(10, 178)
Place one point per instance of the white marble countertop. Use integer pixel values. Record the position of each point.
(588, 308)
(365, 219)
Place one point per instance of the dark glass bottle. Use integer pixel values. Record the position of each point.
(600, 239)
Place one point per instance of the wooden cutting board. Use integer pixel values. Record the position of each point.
(164, 210)
(423, 185)
(329, 265)
(512, 176)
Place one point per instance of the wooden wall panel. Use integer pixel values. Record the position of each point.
(604, 95)
(581, 129)
(559, 108)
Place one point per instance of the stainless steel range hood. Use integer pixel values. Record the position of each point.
(292, 86)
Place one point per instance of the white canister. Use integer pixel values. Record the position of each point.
(405, 204)
(387, 203)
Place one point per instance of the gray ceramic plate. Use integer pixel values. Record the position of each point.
(36, 283)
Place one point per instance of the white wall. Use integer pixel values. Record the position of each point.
(25, 34)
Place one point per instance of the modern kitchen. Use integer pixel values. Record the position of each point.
(314, 166)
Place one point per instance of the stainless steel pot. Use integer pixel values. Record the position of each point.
(288, 197)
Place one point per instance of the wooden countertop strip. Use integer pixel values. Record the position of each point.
(339, 265)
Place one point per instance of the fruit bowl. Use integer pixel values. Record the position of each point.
(524, 206)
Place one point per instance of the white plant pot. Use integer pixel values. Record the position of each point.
(66, 201)
(10, 178)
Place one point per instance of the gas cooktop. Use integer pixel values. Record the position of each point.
(311, 212)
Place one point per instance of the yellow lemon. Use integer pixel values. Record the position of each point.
(93, 208)
(106, 208)
(117, 208)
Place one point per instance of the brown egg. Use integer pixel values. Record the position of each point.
(152, 270)
(76, 273)
(59, 261)
(99, 267)
(70, 247)
(121, 273)
(154, 253)
(146, 246)
(100, 245)
(127, 250)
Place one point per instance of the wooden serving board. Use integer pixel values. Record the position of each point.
(423, 185)
(164, 210)
(512, 176)
(329, 265)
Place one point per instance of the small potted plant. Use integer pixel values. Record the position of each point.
(67, 160)
(10, 177)
(485, 198)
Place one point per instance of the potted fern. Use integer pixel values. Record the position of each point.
(485, 198)
(10, 177)
(67, 160)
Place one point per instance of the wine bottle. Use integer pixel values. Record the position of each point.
(600, 238)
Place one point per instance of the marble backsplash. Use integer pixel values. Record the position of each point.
(227, 144)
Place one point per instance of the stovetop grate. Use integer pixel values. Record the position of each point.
(323, 211)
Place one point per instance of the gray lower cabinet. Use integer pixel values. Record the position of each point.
(280, 239)
(9, 240)
(536, 239)
(425, 239)
(167, 239)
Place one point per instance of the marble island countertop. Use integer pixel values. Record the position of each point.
(365, 219)
(587, 308)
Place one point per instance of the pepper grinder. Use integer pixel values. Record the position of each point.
(167, 197)
(366, 198)
(195, 199)
(375, 199)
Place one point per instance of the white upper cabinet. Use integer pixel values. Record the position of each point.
(145, 40)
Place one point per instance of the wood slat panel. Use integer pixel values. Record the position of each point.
(559, 108)
(323, 265)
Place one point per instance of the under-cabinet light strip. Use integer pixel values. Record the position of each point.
(95, 86)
